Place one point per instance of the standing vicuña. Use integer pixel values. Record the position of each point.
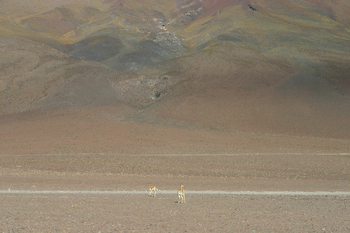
(152, 189)
(181, 194)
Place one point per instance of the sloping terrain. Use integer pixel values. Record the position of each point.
(35, 75)
(229, 95)
(234, 66)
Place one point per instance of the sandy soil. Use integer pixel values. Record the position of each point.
(91, 150)
(66, 212)
(201, 213)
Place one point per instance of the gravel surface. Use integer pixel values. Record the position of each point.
(240, 193)
(200, 213)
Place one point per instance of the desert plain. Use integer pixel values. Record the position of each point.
(247, 103)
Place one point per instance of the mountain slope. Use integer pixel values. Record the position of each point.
(35, 75)
(266, 66)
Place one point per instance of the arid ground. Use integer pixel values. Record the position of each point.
(302, 170)
(232, 98)
(102, 211)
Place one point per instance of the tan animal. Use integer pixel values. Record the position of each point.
(151, 190)
(181, 194)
